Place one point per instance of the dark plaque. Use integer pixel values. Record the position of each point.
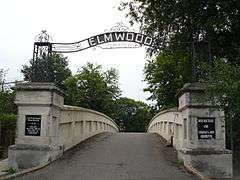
(33, 125)
(206, 128)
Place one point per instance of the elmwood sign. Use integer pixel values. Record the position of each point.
(97, 40)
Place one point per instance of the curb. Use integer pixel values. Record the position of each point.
(192, 170)
(24, 172)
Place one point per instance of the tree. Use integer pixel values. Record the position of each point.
(131, 115)
(215, 21)
(96, 89)
(165, 75)
(53, 69)
(7, 105)
(224, 84)
(7, 97)
(93, 88)
(205, 29)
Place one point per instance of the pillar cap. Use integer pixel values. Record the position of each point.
(36, 86)
(192, 87)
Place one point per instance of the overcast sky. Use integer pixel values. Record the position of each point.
(68, 21)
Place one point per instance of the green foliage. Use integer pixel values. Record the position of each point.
(217, 21)
(214, 21)
(10, 171)
(53, 69)
(93, 88)
(179, 162)
(198, 21)
(165, 75)
(96, 89)
(131, 115)
(224, 82)
(8, 117)
(8, 130)
(7, 105)
(7, 97)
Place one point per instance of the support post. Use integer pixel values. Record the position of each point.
(204, 146)
(37, 140)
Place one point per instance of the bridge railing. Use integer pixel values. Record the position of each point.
(196, 128)
(46, 127)
(77, 124)
(169, 124)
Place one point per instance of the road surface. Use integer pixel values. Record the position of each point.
(122, 156)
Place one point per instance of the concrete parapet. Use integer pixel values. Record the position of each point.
(197, 130)
(46, 127)
(23, 156)
(77, 124)
(210, 163)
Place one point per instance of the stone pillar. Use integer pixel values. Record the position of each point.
(37, 138)
(204, 133)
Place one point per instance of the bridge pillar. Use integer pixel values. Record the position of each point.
(37, 138)
(203, 145)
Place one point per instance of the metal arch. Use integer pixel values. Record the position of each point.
(98, 40)
(119, 33)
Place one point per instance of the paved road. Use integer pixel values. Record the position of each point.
(128, 156)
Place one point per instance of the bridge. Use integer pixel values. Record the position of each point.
(79, 143)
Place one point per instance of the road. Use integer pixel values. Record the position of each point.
(122, 156)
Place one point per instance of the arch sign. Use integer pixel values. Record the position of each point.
(117, 37)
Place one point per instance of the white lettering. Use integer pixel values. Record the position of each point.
(137, 38)
(205, 126)
(99, 41)
(108, 38)
(92, 42)
(131, 37)
(119, 36)
(148, 41)
(206, 136)
(206, 120)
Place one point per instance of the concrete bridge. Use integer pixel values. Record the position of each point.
(48, 130)
(119, 156)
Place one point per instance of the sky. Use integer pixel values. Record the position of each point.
(69, 21)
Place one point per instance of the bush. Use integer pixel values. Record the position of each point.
(8, 118)
(7, 132)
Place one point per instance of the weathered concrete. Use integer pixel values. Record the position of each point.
(168, 123)
(201, 148)
(23, 156)
(77, 124)
(211, 164)
(46, 127)
(131, 156)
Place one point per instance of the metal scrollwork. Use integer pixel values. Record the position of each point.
(42, 45)
(43, 37)
(119, 27)
(119, 36)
